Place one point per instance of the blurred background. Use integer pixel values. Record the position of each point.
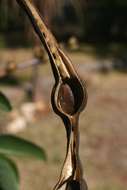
(94, 34)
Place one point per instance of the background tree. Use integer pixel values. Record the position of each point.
(76, 17)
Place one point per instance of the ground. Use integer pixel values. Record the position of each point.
(103, 129)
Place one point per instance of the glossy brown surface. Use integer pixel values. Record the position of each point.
(68, 99)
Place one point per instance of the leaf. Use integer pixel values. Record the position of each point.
(4, 103)
(11, 145)
(12, 164)
(8, 174)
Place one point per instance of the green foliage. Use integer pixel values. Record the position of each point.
(4, 103)
(9, 178)
(14, 146)
(11, 145)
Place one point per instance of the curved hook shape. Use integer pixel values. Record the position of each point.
(68, 99)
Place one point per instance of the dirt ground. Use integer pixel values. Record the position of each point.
(103, 127)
